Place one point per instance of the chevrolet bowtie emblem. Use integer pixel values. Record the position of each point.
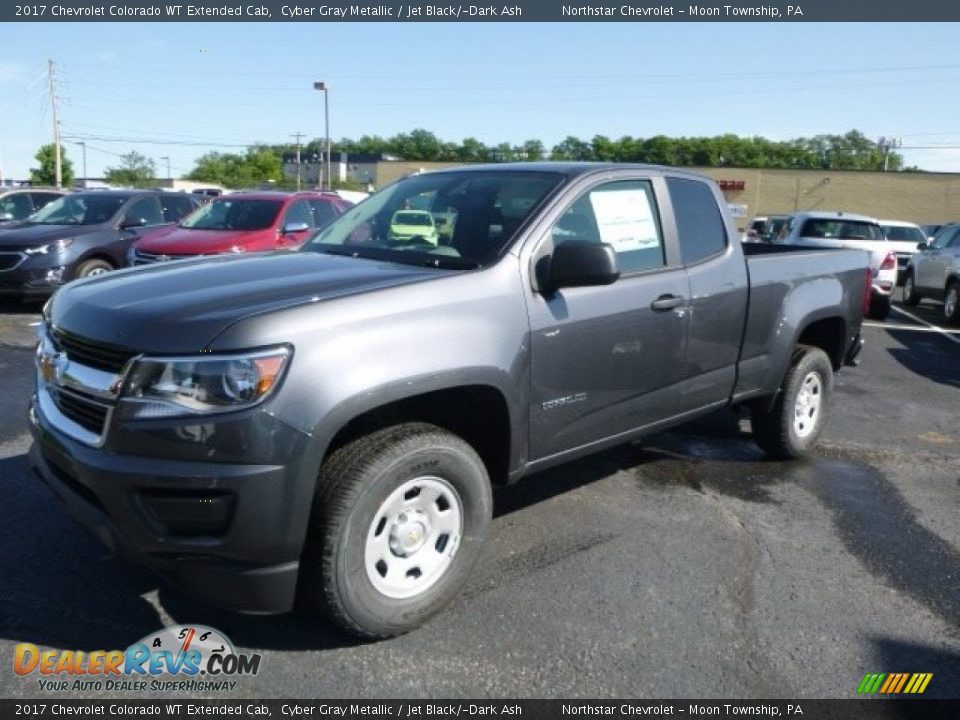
(52, 366)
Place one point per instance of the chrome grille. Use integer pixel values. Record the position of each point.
(81, 409)
(102, 356)
(145, 258)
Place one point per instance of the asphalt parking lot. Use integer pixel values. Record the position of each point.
(683, 566)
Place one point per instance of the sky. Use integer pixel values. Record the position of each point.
(179, 90)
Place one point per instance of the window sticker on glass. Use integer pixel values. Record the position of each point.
(625, 219)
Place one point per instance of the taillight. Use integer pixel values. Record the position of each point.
(889, 262)
(867, 290)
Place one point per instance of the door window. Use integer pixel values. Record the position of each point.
(298, 213)
(622, 214)
(323, 212)
(176, 207)
(146, 209)
(16, 205)
(700, 225)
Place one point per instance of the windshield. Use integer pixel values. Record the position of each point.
(899, 233)
(79, 210)
(475, 213)
(236, 214)
(842, 229)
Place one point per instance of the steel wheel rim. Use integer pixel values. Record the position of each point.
(806, 408)
(96, 271)
(950, 303)
(414, 537)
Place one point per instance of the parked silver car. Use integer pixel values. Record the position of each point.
(846, 230)
(934, 272)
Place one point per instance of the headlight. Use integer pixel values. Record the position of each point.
(169, 387)
(56, 246)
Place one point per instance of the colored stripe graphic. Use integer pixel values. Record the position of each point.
(894, 683)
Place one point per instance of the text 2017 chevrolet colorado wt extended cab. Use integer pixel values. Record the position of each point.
(326, 425)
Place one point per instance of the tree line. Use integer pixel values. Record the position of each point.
(264, 162)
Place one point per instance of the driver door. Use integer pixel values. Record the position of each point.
(604, 358)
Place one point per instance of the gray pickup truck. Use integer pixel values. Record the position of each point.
(325, 426)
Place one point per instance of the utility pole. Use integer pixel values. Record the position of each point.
(298, 136)
(51, 70)
(169, 176)
(886, 145)
(83, 147)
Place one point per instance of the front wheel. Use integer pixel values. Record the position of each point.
(792, 426)
(951, 303)
(398, 522)
(93, 267)
(910, 296)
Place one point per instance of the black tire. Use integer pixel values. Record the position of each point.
(879, 307)
(775, 429)
(93, 266)
(355, 485)
(910, 295)
(951, 303)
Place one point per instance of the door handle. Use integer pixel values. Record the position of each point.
(666, 302)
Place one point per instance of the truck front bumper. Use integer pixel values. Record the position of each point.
(223, 532)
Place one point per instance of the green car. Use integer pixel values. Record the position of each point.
(410, 225)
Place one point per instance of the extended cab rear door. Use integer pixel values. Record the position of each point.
(605, 359)
(719, 290)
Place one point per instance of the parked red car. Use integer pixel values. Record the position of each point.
(241, 222)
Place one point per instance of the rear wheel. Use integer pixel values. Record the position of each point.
(880, 307)
(399, 520)
(792, 426)
(910, 296)
(951, 303)
(93, 267)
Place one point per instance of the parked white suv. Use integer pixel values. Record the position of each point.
(903, 238)
(845, 230)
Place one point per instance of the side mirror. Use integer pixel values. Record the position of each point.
(921, 246)
(4, 217)
(578, 264)
(294, 227)
(129, 222)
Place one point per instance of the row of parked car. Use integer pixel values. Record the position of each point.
(902, 253)
(81, 234)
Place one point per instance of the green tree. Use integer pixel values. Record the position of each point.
(531, 150)
(135, 170)
(571, 148)
(46, 174)
(260, 164)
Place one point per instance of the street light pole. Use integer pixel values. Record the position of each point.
(326, 124)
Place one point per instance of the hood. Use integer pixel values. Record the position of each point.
(30, 235)
(180, 307)
(176, 240)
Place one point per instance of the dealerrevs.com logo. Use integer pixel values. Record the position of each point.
(189, 659)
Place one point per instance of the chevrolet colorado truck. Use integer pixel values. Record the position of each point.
(325, 426)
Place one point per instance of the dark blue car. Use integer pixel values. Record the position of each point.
(81, 234)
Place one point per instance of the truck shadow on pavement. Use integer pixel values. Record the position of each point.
(933, 357)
